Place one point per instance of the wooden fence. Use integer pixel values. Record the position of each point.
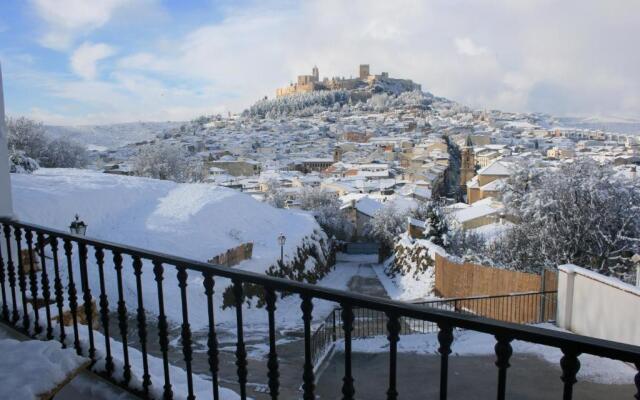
(454, 280)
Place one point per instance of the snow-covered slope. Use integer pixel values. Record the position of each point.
(197, 221)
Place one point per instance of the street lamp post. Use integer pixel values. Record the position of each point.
(78, 227)
(281, 241)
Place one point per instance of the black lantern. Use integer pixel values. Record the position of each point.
(78, 227)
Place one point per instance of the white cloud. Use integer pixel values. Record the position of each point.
(85, 58)
(517, 55)
(67, 18)
(467, 47)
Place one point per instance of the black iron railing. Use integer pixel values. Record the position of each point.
(521, 308)
(23, 305)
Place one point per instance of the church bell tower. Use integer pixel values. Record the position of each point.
(468, 163)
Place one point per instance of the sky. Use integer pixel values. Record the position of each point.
(72, 62)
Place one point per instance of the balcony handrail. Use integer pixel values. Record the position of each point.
(559, 339)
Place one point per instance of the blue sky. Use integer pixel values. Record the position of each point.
(86, 62)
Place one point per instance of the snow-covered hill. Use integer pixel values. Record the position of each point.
(100, 137)
(196, 221)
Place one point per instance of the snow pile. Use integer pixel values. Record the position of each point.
(196, 221)
(33, 368)
(469, 343)
(410, 274)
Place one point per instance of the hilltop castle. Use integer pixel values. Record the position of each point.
(310, 83)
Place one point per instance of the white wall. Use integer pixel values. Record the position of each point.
(599, 306)
(6, 208)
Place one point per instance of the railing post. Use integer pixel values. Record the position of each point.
(241, 352)
(212, 340)
(393, 327)
(104, 311)
(58, 289)
(637, 380)
(46, 293)
(503, 352)
(5, 308)
(12, 274)
(348, 391)
(272, 363)
(142, 325)
(333, 327)
(570, 366)
(158, 270)
(445, 338)
(308, 379)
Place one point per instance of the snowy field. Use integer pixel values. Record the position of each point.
(196, 221)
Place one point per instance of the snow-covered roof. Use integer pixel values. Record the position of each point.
(368, 206)
(478, 209)
(497, 168)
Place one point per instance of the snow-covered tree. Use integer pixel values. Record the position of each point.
(161, 161)
(436, 224)
(21, 164)
(325, 207)
(581, 213)
(64, 153)
(274, 195)
(386, 224)
(27, 138)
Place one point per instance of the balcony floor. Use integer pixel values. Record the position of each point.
(84, 386)
(470, 377)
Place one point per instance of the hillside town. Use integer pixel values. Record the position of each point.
(376, 145)
(478, 219)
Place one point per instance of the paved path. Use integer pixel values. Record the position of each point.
(470, 377)
(366, 282)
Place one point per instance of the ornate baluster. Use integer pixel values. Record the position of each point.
(272, 363)
(73, 298)
(45, 285)
(142, 325)
(22, 282)
(348, 390)
(186, 330)
(104, 311)
(11, 271)
(86, 296)
(308, 379)
(445, 338)
(58, 289)
(122, 317)
(570, 366)
(241, 353)
(503, 352)
(33, 282)
(158, 270)
(5, 308)
(212, 341)
(393, 327)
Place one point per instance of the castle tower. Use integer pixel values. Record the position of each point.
(315, 73)
(364, 71)
(468, 163)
